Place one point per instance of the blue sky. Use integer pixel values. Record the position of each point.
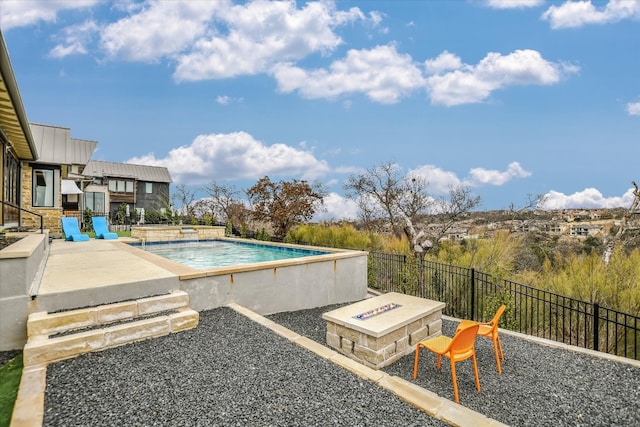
(507, 97)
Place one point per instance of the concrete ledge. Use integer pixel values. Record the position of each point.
(172, 301)
(24, 247)
(43, 350)
(429, 402)
(43, 323)
(311, 345)
(28, 410)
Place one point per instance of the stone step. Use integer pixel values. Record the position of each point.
(58, 336)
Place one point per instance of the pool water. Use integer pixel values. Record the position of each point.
(217, 253)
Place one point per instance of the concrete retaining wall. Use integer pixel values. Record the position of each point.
(283, 288)
(20, 263)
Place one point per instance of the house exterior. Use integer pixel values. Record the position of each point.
(51, 184)
(585, 230)
(137, 186)
(17, 146)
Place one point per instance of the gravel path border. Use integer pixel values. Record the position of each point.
(232, 371)
(229, 371)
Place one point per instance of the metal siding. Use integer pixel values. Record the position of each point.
(55, 145)
(146, 173)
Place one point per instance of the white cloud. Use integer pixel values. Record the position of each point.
(20, 13)
(337, 207)
(470, 84)
(235, 156)
(587, 198)
(438, 179)
(481, 176)
(513, 4)
(633, 108)
(441, 180)
(444, 62)
(574, 14)
(260, 34)
(223, 100)
(381, 73)
(75, 39)
(161, 28)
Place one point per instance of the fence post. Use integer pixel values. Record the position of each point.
(596, 326)
(473, 294)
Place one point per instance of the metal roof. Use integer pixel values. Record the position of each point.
(55, 145)
(13, 119)
(100, 169)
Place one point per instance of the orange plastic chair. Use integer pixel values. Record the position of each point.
(456, 349)
(489, 330)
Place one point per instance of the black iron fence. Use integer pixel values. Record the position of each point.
(471, 294)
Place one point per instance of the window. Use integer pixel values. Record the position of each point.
(70, 202)
(12, 187)
(44, 187)
(148, 187)
(94, 201)
(119, 186)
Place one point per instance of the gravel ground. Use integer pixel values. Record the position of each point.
(539, 385)
(231, 371)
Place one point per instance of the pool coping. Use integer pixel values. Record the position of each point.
(185, 272)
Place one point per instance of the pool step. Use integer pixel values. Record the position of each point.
(58, 336)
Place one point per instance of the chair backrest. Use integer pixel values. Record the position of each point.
(100, 224)
(464, 340)
(496, 318)
(70, 225)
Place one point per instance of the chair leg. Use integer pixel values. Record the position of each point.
(438, 363)
(455, 381)
(415, 362)
(497, 353)
(475, 371)
(500, 346)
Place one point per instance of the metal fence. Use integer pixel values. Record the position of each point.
(471, 294)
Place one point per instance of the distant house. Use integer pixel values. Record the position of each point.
(51, 184)
(585, 230)
(16, 144)
(137, 186)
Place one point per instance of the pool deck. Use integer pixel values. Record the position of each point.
(97, 271)
(79, 274)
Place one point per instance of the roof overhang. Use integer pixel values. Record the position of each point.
(13, 119)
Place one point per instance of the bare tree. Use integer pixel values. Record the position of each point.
(223, 200)
(183, 199)
(285, 203)
(384, 192)
(458, 205)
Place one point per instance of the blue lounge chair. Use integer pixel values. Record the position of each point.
(101, 228)
(72, 231)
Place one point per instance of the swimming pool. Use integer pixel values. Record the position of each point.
(218, 253)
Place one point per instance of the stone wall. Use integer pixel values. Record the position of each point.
(378, 352)
(177, 233)
(51, 217)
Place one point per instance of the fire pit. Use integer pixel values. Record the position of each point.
(378, 331)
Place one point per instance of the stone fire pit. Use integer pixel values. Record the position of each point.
(378, 331)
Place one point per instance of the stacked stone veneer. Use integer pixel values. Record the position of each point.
(378, 352)
(50, 216)
(177, 233)
(63, 335)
